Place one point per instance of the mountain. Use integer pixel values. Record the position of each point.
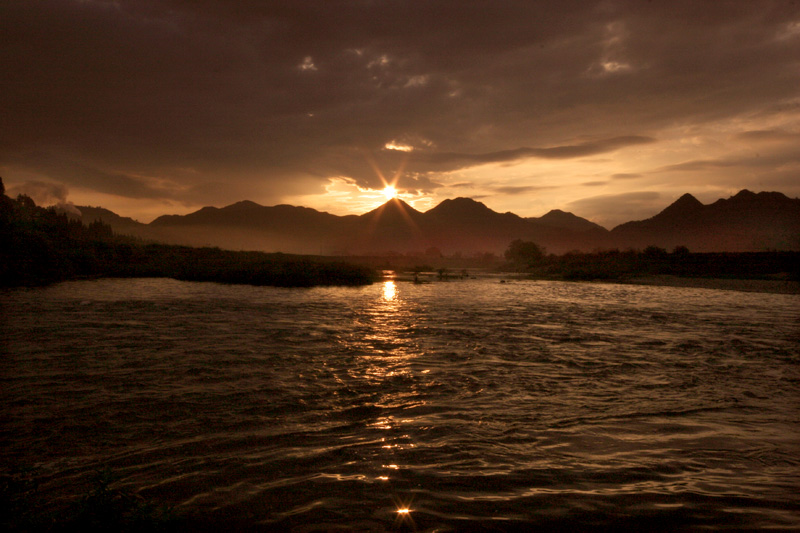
(687, 206)
(249, 226)
(393, 227)
(468, 226)
(458, 225)
(463, 224)
(561, 219)
(122, 225)
(393, 214)
(466, 210)
(745, 222)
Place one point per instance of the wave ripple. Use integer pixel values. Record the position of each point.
(474, 404)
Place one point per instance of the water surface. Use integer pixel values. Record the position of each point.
(475, 404)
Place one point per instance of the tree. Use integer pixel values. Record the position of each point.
(6, 206)
(654, 252)
(682, 251)
(524, 253)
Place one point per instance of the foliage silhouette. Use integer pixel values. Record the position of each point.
(40, 246)
(617, 265)
(524, 253)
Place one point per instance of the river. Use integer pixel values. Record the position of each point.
(449, 406)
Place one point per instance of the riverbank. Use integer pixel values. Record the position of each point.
(773, 286)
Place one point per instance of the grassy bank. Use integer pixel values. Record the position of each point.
(773, 286)
(656, 263)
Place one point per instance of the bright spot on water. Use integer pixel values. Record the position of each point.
(389, 290)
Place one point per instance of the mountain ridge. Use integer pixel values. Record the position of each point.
(746, 221)
(564, 219)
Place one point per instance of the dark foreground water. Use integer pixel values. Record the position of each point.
(475, 404)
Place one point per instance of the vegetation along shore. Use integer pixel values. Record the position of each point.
(40, 246)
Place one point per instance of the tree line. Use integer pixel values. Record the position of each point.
(653, 260)
(40, 246)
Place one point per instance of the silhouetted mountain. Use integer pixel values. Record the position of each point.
(246, 214)
(395, 211)
(474, 215)
(744, 222)
(249, 226)
(118, 223)
(685, 206)
(463, 224)
(464, 210)
(393, 227)
(561, 219)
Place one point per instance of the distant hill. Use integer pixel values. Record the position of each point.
(561, 219)
(393, 227)
(250, 226)
(745, 222)
(468, 225)
(120, 224)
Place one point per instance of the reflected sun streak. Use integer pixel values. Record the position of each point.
(389, 290)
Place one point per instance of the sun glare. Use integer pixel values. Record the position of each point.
(389, 192)
(389, 290)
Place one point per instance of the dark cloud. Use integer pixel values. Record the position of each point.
(698, 165)
(512, 190)
(456, 160)
(768, 136)
(42, 192)
(625, 176)
(45, 194)
(211, 101)
(87, 175)
(763, 160)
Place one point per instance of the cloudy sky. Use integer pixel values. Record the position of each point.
(608, 109)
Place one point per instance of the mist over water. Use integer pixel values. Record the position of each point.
(475, 404)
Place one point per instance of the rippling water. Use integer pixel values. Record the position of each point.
(475, 404)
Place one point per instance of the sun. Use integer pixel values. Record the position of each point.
(389, 192)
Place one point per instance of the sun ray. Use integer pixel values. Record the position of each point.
(389, 192)
(392, 195)
(389, 185)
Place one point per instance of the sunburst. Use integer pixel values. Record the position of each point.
(389, 192)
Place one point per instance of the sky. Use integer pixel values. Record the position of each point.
(607, 109)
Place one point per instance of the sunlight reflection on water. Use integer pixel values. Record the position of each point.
(479, 401)
(389, 290)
